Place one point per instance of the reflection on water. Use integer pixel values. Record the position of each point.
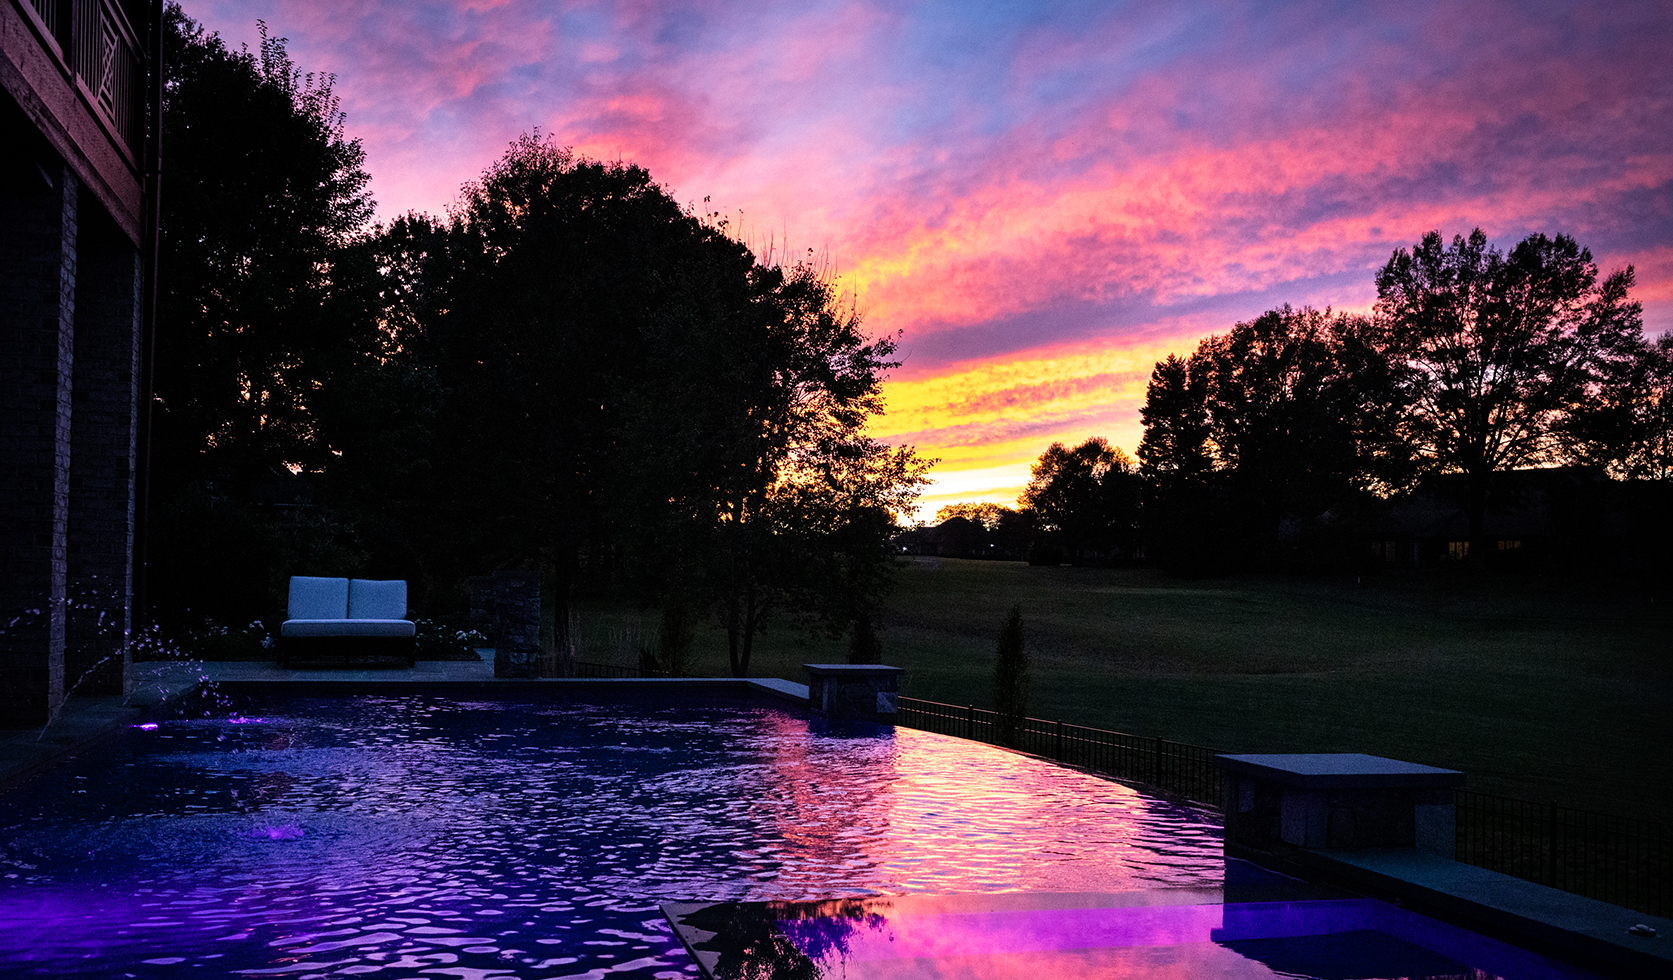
(426, 835)
(1164, 933)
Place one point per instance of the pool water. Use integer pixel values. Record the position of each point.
(1262, 926)
(433, 836)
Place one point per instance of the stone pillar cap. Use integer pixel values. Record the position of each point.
(852, 669)
(1332, 770)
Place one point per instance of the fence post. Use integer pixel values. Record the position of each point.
(1157, 782)
(970, 722)
(1551, 845)
(1059, 755)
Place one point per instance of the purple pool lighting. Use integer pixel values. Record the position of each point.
(421, 835)
(1143, 935)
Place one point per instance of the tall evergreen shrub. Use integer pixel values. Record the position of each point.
(863, 645)
(675, 633)
(1010, 679)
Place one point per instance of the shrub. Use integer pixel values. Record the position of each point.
(1010, 679)
(863, 645)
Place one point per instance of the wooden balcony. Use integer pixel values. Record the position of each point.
(77, 69)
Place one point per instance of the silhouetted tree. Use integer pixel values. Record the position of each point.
(1627, 428)
(1493, 352)
(987, 514)
(1297, 421)
(631, 395)
(1180, 513)
(257, 317)
(863, 645)
(1085, 500)
(565, 280)
(1287, 415)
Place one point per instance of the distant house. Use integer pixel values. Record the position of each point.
(1570, 516)
(955, 537)
(77, 243)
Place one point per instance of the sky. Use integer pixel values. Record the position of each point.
(1041, 200)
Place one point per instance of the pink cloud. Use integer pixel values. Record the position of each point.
(1001, 182)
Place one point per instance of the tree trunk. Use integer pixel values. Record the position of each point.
(741, 636)
(563, 634)
(733, 628)
(1475, 509)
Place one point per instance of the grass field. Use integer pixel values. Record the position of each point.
(1535, 691)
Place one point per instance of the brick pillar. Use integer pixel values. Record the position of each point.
(103, 420)
(37, 316)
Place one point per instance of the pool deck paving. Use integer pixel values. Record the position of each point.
(1571, 927)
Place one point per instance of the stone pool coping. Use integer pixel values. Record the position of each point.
(1570, 927)
(1579, 930)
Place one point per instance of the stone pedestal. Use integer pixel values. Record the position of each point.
(864, 692)
(505, 607)
(1339, 799)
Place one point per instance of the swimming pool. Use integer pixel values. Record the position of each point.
(424, 835)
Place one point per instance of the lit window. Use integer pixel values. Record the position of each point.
(1509, 545)
(1457, 550)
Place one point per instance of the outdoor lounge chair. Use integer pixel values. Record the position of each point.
(330, 617)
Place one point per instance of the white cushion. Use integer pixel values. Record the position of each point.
(377, 599)
(319, 598)
(346, 627)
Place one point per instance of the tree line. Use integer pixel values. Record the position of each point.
(1472, 363)
(569, 373)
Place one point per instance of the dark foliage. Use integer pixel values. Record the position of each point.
(636, 400)
(1271, 443)
(258, 315)
(1083, 504)
(572, 374)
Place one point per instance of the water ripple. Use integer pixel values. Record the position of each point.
(387, 835)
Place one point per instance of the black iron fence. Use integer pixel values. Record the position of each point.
(1614, 859)
(585, 668)
(1173, 767)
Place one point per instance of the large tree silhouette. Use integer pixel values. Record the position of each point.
(631, 397)
(255, 321)
(1084, 500)
(1493, 352)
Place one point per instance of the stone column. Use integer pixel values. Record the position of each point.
(37, 336)
(1336, 799)
(505, 607)
(103, 427)
(866, 692)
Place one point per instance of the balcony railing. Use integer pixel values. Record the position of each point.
(103, 56)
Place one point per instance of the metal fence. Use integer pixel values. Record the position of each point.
(1172, 767)
(585, 668)
(1614, 859)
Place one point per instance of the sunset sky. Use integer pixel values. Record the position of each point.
(1042, 199)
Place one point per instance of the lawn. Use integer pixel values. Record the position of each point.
(1536, 691)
